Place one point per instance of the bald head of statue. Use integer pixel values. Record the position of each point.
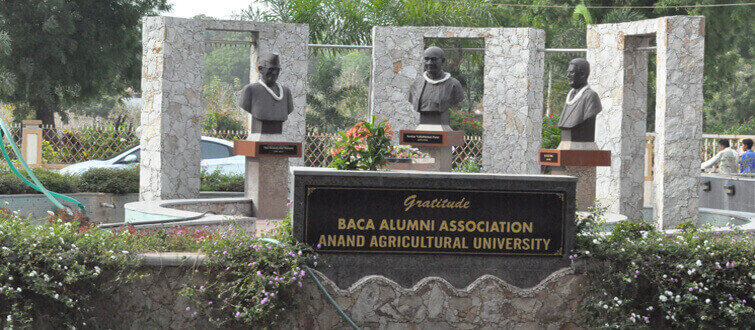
(434, 59)
(577, 73)
(269, 67)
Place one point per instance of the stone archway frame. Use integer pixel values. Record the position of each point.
(513, 88)
(172, 114)
(619, 76)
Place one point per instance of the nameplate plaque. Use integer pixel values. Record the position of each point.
(278, 149)
(422, 138)
(431, 138)
(548, 158)
(266, 149)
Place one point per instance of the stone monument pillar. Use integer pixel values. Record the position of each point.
(266, 150)
(577, 154)
(432, 94)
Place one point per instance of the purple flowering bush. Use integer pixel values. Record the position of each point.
(638, 276)
(252, 281)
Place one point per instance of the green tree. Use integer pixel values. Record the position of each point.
(728, 52)
(7, 80)
(335, 100)
(69, 51)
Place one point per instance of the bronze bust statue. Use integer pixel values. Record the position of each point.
(267, 101)
(435, 91)
(582, 104)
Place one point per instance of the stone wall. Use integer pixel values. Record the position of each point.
(619, 76)
(513, 88)
(172, 114)
(488, 303)
(374, 302)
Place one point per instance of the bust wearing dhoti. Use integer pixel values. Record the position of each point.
(577, 122)
(267, 101)
(435, 91)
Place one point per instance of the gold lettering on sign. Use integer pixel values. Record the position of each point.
(486, 226)
(435, 203)
(360, 224)
(509, 243)
(342, 240)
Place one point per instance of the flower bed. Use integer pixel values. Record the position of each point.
(63, 272)
(642, 277)
(51, 273)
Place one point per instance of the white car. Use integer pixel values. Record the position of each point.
(217, 155)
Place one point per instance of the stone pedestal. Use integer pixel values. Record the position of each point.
(266, 184)
(585, 183)
(578, 163)
(266, 178)
(436, 143)
(443, 157)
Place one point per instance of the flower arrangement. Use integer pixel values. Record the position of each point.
(407, 152)
(363, 147)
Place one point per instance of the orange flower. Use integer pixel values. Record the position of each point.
(388, 131)
(360, 146)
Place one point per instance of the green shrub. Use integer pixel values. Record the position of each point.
(469, 165)
(58, 272)
(462, 120)
(53, 181)
(551, 134)
(51, 273)
(217, 181)
(643, 277)
(116, 181)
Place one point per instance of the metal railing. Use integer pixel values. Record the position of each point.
(709, 148)
(65, 145)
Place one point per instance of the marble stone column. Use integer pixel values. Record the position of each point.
(172, 64)
(620, 78)
(679, 118)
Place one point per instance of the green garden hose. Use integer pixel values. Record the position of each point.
(37, 185)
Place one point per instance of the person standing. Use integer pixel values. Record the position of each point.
(747, 163)
(726, 157)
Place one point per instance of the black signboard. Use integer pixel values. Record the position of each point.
(423, 138)
(410, 220)
(278, 149)
(548, 157)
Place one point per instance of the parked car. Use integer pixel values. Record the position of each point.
(217, 155)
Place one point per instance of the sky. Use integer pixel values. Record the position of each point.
(221, 9)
